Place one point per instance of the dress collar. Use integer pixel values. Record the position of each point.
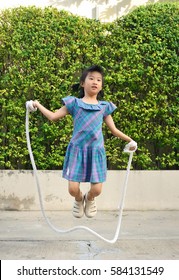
(92, 107)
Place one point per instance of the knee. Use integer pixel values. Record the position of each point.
(95, 191)
(73, 190)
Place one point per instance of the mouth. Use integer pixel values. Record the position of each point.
(94, 87)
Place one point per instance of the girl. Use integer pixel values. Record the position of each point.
(85, 159)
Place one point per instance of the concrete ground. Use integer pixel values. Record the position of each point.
(148, 235)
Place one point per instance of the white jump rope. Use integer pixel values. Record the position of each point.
(30, 108)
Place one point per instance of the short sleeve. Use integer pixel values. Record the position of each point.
(110, 107)
(69, 102)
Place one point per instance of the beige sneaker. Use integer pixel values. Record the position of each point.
(78, 208)
(90, 207)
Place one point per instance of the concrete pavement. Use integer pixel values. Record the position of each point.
(146, 235)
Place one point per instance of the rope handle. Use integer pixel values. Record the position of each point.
(131, 144)
(30, 107)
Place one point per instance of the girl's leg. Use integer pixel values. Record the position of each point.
(74, 190)
(90, 203)
(78, 206)
(94, 191)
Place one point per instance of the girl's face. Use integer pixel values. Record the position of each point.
(93, 83)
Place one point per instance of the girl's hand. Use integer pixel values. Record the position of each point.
(35, 104)
(131, 146)
(30, 106)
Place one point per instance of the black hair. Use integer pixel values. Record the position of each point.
(78, 87)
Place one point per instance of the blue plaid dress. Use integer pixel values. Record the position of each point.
(85, 159)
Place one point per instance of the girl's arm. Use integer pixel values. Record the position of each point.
(52, 116)
(116, 132)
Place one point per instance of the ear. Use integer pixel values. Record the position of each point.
(82, 84)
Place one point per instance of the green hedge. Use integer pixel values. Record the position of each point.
(143, 80)
(42, 53)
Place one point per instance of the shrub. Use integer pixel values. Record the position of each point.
(42, 53)
(143, 69)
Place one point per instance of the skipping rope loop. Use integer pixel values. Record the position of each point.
(30, 108)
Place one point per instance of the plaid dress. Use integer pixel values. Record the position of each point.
(85, 159)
